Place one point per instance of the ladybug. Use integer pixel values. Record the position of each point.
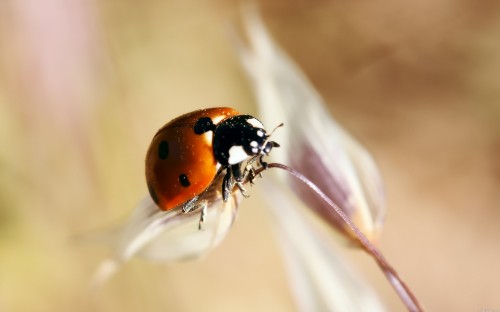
(187, 154)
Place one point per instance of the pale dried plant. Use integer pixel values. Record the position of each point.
(332, 176)
(172, 235)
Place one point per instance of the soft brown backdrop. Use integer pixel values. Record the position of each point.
(83, 87)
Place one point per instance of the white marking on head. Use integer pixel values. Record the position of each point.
(260, 133)
(236, 155)
(255, 150)
(254, 144)
(254, 122)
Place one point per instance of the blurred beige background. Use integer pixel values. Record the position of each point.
(84, 86)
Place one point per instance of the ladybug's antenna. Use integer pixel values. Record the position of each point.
(278, 126)
(268, 145)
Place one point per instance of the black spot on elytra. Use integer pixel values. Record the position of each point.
(163, 150)
(153, 194)
(183, 179)
(204, 124)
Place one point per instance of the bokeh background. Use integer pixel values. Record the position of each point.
(84, 86)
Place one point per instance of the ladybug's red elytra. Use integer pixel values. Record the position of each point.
(188, 152)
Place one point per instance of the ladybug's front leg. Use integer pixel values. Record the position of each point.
(239, 178)
(232, 177)
(227, 184)
(249, 171)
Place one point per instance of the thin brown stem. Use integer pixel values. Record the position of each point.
(403, 291)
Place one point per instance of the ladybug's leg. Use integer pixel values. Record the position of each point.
(233, 177)
(195, 204)
(203, 214)
(262, 162)
(227, 184)
(239, 178)
(249, 172)
(191, 205)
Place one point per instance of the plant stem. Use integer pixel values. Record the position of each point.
(403, 291)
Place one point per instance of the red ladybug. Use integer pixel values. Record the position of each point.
(188, 152)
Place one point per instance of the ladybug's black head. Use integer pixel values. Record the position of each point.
(240, 137)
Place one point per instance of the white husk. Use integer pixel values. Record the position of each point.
(285, 95)
(320, 279)
(180, 241)
(172, 235)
